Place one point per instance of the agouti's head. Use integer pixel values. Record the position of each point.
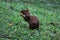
(25, 13)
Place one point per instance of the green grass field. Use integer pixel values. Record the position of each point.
(46, 12)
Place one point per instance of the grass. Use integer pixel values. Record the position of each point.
(20, 29)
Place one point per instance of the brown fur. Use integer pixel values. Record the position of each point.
(32, 20)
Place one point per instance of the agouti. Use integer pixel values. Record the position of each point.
(32, 20)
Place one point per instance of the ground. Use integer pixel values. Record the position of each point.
(13, 26)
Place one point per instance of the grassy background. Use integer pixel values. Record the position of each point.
(46, 11)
